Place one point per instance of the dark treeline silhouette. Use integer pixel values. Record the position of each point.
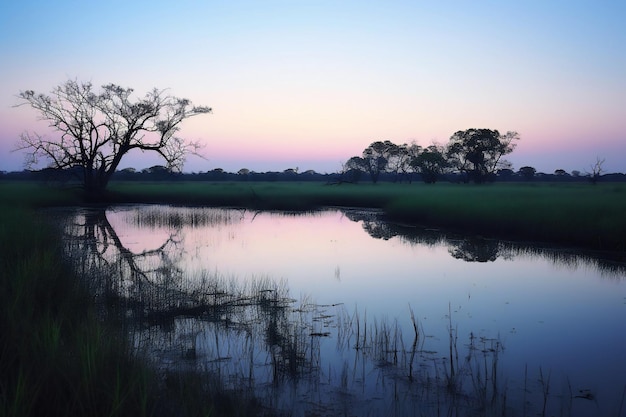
(159, 173)
(473, 155)
(96, 129)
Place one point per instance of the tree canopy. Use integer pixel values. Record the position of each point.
(430, 163)
(95, 130)
(475, 154)
(478, 153)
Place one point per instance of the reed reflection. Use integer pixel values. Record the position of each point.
(293, 354)
(255, 335)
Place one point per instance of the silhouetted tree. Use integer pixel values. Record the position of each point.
(96, 129)
(376, 157)
(413, 151)
(528, 173)
(478, 153)
(398, 159)
(596, 171)
(560, 172)
(431, 163)
(353, 168)
(506, 173)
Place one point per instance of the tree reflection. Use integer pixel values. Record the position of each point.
(474, 250)
(150, 289)
(148, 281)
(478, 249)
(470, 249)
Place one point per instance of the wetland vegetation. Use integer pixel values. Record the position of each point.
(573, 215)
(211, 337)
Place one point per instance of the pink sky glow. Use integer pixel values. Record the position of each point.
(310, 84)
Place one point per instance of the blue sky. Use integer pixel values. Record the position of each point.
(308, 84)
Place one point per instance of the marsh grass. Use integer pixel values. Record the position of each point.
(57, 357)
(567, 215)
(573, 215)
(576, 215)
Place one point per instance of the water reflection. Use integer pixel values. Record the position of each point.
(479, 249)
(159, 269)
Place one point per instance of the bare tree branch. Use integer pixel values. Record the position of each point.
(96, 129)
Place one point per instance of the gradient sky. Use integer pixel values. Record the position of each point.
(310, 83)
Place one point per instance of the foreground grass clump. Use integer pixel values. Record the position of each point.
(57, 358)
(577, 215)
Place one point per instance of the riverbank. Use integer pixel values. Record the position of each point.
(580, 216)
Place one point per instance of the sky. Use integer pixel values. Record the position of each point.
(309, 83)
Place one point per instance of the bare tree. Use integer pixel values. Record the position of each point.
(98, 128)
(596, 171)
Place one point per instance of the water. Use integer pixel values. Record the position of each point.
(338, 312)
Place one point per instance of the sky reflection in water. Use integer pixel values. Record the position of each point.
(567, 319)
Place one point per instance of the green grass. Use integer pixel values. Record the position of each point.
(57, 357)
(577, 215)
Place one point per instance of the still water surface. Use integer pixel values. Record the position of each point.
(318, 310)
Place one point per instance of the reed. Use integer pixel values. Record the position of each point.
(57, 358)
(575, 215)
(531, 212)
(57, 355)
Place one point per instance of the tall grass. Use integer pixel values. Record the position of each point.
(578, 215)
(56, 358)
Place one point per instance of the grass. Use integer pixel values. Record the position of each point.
(57, 358)
(579, 216)
(576, 215)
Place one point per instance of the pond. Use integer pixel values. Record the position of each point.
(338, 312)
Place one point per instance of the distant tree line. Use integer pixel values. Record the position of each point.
(162, 173)
(473, 155)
